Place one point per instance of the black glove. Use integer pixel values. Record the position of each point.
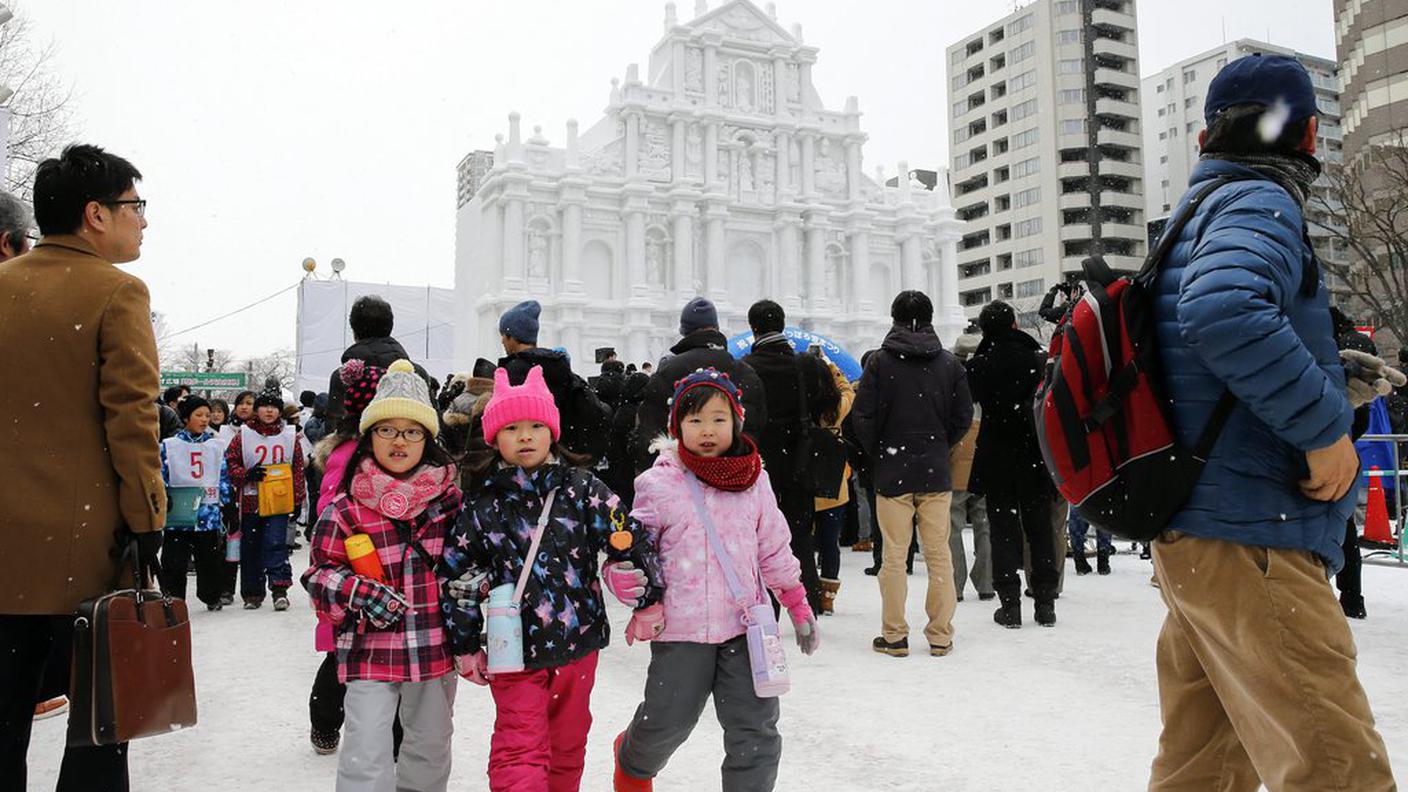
(254, 474)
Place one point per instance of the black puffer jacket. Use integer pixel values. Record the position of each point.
(700, 349)
(782, 372)
(380, 352)
(1004, 373)
(911, 407)
(584, 418)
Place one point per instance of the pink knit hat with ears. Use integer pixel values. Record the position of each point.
(531, 401)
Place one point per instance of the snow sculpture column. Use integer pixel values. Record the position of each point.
(683, 219)
(714, 251)
(789, 269)
(514, 193)
(816, 260)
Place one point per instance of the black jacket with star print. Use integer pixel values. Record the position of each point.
(563, 610)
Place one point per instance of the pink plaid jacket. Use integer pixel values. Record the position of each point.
(414, 649)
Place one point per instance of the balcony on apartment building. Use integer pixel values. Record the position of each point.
(1112, 13)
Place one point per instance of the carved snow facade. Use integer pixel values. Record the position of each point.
(721, 174)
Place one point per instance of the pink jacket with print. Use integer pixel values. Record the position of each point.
(699, 607)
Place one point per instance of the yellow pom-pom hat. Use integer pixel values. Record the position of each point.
(401, 393)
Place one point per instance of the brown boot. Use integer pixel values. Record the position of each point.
(829, 588)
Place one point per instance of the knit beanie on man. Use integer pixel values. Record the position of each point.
(521, 322)
(531, 401)
(401, 393)
(698, 314)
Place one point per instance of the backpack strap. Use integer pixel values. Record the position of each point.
(1175, 226)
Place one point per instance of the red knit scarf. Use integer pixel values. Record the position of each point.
(733, 473)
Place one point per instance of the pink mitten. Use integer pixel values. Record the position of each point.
(803, 620)
(646, 624)
(473, 667)
(625, 582)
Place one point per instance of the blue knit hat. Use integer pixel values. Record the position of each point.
(1269, 80)
(698, 314)
(521, 322)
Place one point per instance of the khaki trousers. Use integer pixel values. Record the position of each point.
(1257, 680)
(897, 516)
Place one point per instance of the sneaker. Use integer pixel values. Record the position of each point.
(324, 743)
(620, 780)
(280, 603)
(898, 648)
(872, 570)
(214, 606)
(939, 651)
(1083, 566)
(1102, 563)
(227, 599)
(253, 604)
(50, 708)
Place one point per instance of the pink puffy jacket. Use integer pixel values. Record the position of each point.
(698, 604)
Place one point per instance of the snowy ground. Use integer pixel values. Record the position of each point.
(1070, 708)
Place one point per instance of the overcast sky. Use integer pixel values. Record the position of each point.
(269, 131)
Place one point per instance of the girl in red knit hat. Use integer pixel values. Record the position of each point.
(533, 536)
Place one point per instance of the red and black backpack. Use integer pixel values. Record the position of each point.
(1103, 416)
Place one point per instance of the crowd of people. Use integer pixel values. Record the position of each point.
(473, 530)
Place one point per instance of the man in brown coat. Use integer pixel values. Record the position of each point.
(78, 455)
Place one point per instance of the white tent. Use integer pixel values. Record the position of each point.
(425, 326)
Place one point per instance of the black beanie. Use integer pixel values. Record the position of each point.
(269, 398)
(189, 405)
(766, 316)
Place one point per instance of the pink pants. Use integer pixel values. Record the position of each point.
(540, 732)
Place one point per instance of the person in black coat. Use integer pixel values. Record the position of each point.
(911, 407)
(620, 472)
(1004, 373)
(372, 321)
(702, 346)
(585, 420)
(792, 385)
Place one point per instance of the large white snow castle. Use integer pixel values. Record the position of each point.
(722, 174)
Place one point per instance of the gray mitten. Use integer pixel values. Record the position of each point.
(1376, 377)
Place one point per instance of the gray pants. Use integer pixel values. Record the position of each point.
(365, 763)
(681, 678)
(972, 511)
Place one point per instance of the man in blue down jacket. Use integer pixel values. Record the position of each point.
(1256, 664)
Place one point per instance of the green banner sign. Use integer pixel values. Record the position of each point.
(212, 380)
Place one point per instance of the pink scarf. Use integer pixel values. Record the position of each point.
(397, 498)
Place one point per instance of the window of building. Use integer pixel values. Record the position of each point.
(1027, 258)
(1163, 159)
(1192, 127)
(1159, 88)
(1071, 96)
(974, 268)
(1163, 136)
(1068, 37)
(1068, 66)
(1024, 138)
(1026, 197)
(960, 107)
(1024, 109)
(1004, 291)
(1001, 175)
(957, 56)
(1018, 25)
(1173, 132)
(1021, 53)
(1073, 126)
(999, 146)
(1026, 228)
(1064, 7)
(962, 161)
(998, 90)
(1001, 203)
(975, 297)
(1220, 63)
(961, 134)
(999, 118)
(1162, 112)
(1190, 75)
(1031, 288)
(994, 36)
(1026, 167)
(1190, 102)
(1024, 80)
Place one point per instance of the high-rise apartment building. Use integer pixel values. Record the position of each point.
(1371, 37)
(1173, 117)
(1045, 144)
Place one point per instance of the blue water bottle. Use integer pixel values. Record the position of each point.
(505, 628)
